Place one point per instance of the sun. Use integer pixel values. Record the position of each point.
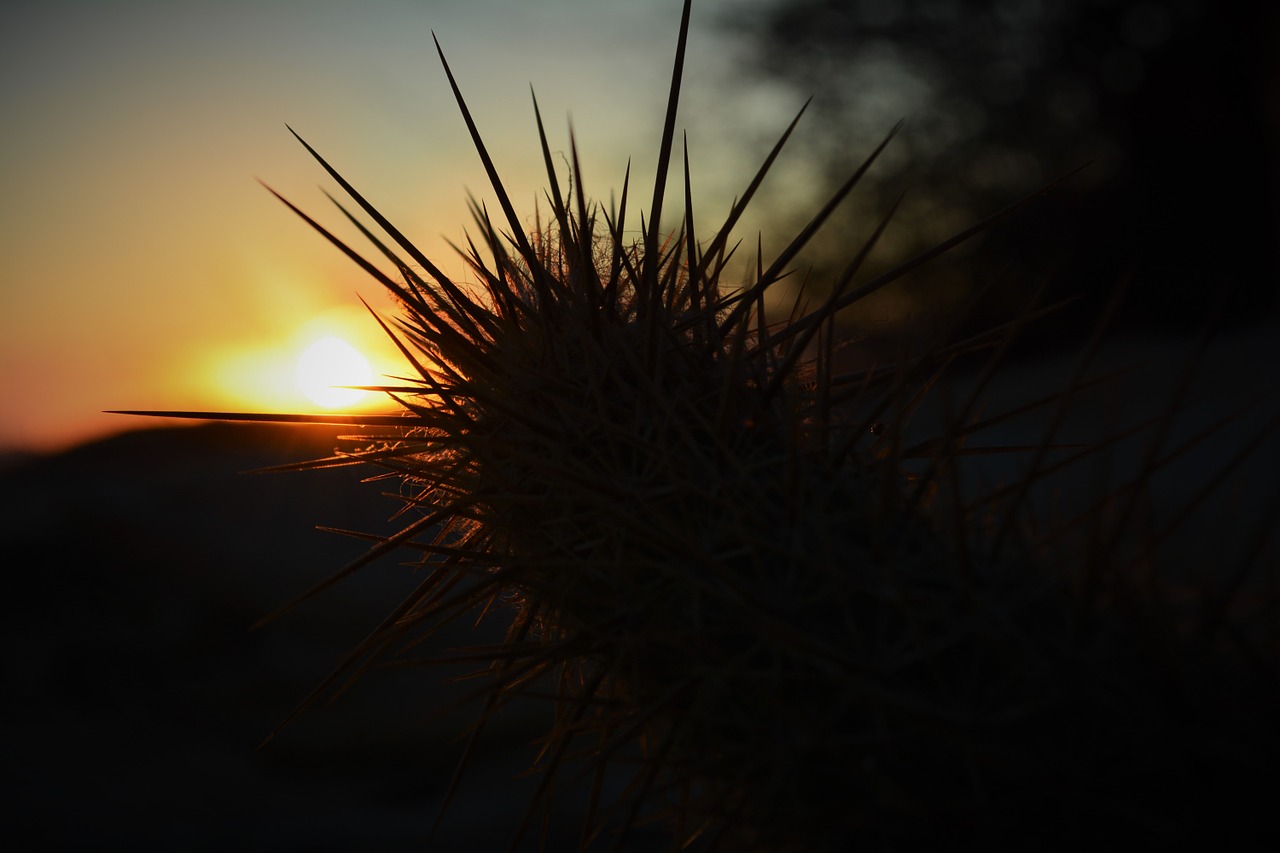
(331, 362)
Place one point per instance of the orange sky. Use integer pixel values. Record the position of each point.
(141, 266)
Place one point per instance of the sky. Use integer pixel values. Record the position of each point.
(143, 267)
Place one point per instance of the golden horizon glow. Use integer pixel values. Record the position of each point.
(144, 268)
(327, 365)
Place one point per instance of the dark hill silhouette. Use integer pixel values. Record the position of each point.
(137, 695)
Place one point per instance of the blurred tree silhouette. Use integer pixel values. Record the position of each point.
(1174, 104)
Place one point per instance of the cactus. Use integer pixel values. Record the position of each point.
(749, 588)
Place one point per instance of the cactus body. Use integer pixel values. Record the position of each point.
(732, 564)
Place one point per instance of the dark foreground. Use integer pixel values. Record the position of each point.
(137, 694)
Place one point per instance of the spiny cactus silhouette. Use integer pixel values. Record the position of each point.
(750, 593)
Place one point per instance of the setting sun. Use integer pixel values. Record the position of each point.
(328, 363)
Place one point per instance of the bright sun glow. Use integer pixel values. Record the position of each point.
(328, 362)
